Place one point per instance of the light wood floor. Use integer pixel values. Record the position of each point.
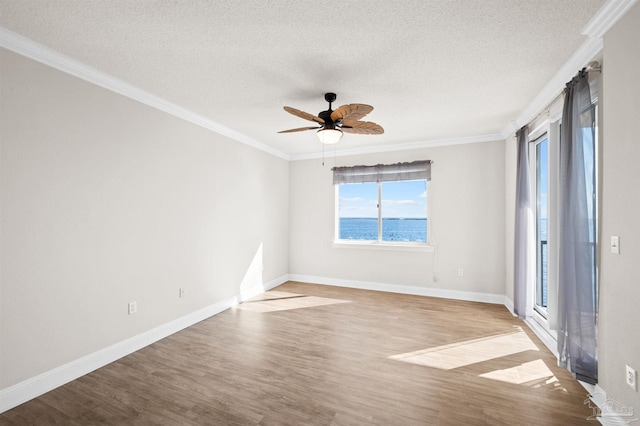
(318, 355)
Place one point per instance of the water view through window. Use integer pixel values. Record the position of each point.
(403, 212)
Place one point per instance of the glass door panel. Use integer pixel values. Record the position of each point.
(541, 218)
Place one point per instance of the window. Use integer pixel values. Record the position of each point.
(383, 203)
(544, 166)
(541, 183)
(590, 151)
(545, 175)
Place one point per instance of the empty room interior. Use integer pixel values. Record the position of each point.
(302, 213)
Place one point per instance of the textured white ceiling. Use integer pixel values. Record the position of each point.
(433, 69)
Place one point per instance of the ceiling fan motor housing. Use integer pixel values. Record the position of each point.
(326, 116)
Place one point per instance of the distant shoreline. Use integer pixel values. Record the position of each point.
(384, 218)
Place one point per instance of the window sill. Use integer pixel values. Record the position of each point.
(538, 324)
(544, 323)
(384, 245)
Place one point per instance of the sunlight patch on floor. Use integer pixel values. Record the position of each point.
(273, 294)
(456, 355)
(534, 373)
(273, 301)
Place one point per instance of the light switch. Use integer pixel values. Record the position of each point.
(615, 244)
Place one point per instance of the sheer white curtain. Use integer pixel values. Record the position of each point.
(522, 305)
(577, 285)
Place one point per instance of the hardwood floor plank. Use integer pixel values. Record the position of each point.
(318, 355)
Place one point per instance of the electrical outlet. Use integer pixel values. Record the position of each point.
(181, 293)
(133, 308)
(631, 378)
(460, 272)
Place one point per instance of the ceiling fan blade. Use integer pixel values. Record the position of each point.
(300, 129)
(351, 112)
(304, 115)
(362, 127)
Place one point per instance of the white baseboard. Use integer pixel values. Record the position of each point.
(609, 412)
(32, 388)
(259, 289)
(509, 305)
(498, 299)
(45, 382)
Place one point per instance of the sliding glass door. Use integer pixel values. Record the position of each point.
(541, 181)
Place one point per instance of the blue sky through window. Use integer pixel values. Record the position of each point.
(543, 184)
(402, 199)
(359, 200)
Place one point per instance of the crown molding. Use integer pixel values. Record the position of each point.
(606, 17)
(40, 53)
(596, 28)
(586, 53)
(401, 147)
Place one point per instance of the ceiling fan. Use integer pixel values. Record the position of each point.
(331, 124)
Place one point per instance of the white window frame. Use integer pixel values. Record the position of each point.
(533, 159)
(550, 129)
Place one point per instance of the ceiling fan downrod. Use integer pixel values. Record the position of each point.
(326, 115)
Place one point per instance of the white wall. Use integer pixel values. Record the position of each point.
(467, 210)
(619, 326)
(511, 163)
(105, 201)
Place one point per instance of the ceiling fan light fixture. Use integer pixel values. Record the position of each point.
(329, 136)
